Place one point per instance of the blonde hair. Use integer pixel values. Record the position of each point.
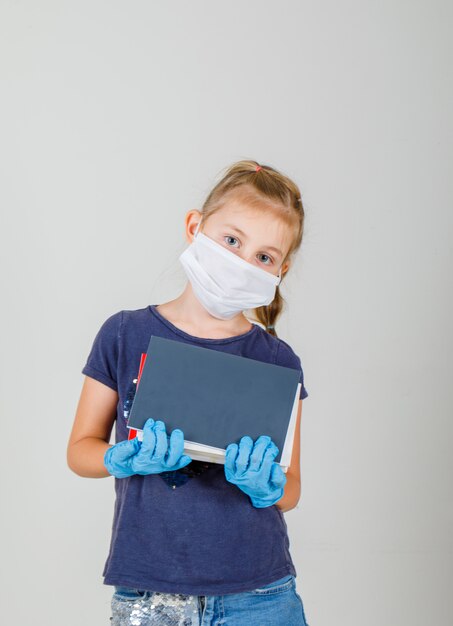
(264, 187)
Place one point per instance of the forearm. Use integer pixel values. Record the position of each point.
(86, 457)
(291, 494)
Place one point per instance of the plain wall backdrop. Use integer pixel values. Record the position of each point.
(116, 119)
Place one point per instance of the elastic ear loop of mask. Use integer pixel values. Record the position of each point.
(196, 230)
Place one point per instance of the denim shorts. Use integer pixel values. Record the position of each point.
(275, 604)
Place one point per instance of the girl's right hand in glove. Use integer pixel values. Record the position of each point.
(148, 456)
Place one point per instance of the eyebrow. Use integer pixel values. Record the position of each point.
(238, 230)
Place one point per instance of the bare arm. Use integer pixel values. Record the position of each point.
(291, 494)
(93, 423)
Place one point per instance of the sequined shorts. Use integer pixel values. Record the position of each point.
(275, 604)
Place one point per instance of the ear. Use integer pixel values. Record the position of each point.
(192, 219)
(285, 267)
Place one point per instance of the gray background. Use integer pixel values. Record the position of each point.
(116, 118)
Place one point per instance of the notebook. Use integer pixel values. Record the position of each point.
(215, 398)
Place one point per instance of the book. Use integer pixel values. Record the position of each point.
(215, 398)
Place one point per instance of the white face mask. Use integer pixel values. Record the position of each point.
(224, 283)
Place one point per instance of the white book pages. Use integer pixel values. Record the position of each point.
(289, 439)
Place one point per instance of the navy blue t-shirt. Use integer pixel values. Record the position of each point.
(189, 531)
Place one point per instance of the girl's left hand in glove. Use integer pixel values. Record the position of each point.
(253, 470)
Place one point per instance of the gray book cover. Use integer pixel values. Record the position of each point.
(214, 397)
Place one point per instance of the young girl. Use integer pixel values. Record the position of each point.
(196, 543)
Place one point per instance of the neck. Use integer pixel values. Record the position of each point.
(188, 310)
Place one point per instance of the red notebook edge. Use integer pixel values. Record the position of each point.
(132, 431)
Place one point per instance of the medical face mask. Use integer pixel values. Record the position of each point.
(224, 283)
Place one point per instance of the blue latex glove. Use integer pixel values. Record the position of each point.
(253, 470)
(148, 456)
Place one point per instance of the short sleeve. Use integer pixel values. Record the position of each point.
(102, 361)
(288, 358)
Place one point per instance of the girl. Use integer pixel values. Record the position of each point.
(196, 543)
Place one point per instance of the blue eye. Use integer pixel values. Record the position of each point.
(229, 237)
